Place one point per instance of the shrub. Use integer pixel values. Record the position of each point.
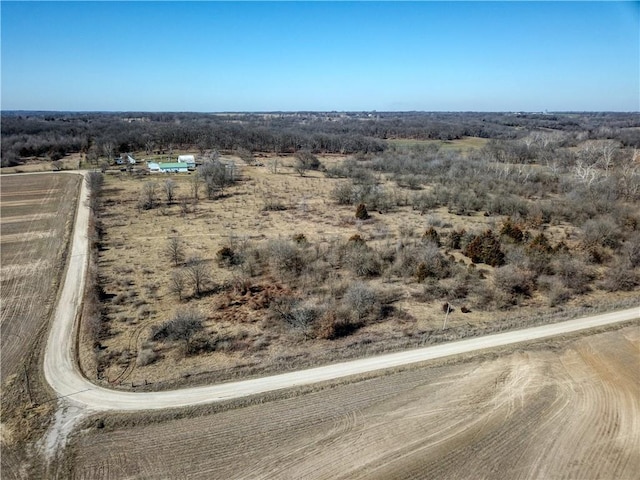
(146, 357)
(432, 235)
(296, 315)
(305, 160)
(631, 250)
(362, 260)
(343, 193)
(361, 212)
(620, 277)
(574, 273)
(300, 238)
(514, 281)
(454, 239)
(336, 323)
(285, 257)
(360, 299)
(602, 232)
(485, 248)
(447, 308)
(512, 230)
(227, 257)
(182, 326)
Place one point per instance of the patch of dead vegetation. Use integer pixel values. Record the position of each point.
(274, 282)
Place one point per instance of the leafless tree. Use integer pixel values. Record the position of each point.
(177, 283)
(197, 273)
(216, 176)
(175, 249)
(149, 196)
(305, 160)
(196, 180)
(107, 149)
(169, 187)
(92, 155)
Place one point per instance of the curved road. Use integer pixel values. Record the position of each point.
(62, 373)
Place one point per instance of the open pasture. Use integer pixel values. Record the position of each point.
(558, 409)
(246, 331)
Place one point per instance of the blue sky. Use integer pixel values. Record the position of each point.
(245, 56)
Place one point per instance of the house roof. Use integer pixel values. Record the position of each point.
(172, 165)
(186, 158)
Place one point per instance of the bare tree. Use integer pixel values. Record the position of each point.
(196, 180)
(177, 283)
(216, 177)
(198, 275)
(92, 155)
(175, 249)
(107, 149)
(274, 164)
(149, 196)
(169, 187)
(305, 160)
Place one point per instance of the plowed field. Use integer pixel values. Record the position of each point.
(563, 410)
(36, 215)
(36, 212)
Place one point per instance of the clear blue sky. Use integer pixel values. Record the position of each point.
(244, 56)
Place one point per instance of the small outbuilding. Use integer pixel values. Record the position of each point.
(153, 167)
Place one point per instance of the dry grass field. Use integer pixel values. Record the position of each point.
(36, 217)
(265, 207)
(558, 409)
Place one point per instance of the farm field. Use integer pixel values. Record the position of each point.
(36, 218)
(37, 213)
(557, 409)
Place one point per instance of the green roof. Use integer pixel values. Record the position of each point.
(172, 165)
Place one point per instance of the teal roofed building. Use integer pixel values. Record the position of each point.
(175, 167)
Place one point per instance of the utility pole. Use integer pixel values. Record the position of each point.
(446, 315)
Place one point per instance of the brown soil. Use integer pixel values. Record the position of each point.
(37, 215)
(562, 409)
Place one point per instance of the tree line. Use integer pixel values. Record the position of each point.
(105, 135)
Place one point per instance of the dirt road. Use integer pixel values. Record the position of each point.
(63, 375)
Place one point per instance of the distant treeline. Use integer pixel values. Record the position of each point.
(104, 135)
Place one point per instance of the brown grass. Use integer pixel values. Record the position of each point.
(136, 274)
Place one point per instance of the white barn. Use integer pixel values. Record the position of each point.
(190, 160)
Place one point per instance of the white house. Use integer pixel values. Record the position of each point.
(129, 159)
